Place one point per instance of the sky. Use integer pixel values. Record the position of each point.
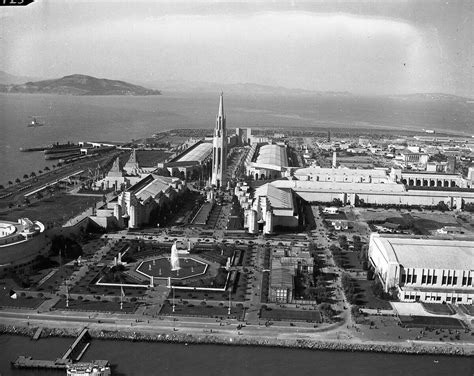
(368, 47)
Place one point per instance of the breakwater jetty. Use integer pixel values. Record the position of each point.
(35, 148)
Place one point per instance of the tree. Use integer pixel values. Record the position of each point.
(32, 175)
(337, 202)
(377, 288)
(25, 176)
(10, 182)
(343, 242)
(442, 206)
(46, 168)
(17, 181)
(357, 243)
(40, 172)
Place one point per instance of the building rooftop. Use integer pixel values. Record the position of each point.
(154, 187)
(199, 153)
(279, 198)
(281, 277)
(336, 186)
(316, 170)
(272, 155)
(429, 253)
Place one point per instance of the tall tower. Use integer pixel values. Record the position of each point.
(219, 148)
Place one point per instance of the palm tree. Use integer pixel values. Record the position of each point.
(2, 187)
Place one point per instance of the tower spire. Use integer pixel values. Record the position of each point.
(221, 106)
(219, 143)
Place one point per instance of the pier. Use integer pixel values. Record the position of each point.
(72, 355)
(37, 334)
(78, 347)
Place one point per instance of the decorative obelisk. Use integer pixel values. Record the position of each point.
(219, 148)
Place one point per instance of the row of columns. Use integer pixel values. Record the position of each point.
(446, 183)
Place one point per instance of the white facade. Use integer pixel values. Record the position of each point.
(429, 270)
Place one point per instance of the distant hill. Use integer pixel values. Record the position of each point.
(10, 79)
(78, 84)
(432, 97)
(236, 88)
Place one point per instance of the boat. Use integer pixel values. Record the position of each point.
(93, 368)
(35, 122)
(61, 148)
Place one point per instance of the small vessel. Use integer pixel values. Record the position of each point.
(35, 122)
(93, 368)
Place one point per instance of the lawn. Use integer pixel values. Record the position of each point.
(96, 306)
(431, 322)
(366, 297)
(438, 309)
(58, 208)
(58, 278)
(290, 315)
(202, 310)
(469, 309)
(20, 302)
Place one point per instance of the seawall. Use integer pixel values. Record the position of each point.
(411, 348)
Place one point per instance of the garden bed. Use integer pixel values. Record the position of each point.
(430, 322)
(290, 315)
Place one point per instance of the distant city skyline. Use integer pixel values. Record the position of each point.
(393, 47)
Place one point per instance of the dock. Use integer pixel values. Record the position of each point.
(72, 355)
(29, 362)
(78, 347)
(37, 334)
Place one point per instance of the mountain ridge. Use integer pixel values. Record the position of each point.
(79, 84)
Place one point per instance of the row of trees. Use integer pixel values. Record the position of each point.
(349, 285)
(26, 177)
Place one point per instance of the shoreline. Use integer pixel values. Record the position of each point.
(317, 345)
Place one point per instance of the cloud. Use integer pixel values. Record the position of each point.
(320, 51)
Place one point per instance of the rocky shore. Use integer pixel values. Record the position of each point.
(324, 345)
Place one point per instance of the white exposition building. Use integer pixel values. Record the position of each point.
(427, 270)
(219, 148)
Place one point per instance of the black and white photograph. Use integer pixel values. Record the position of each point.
(236, 188)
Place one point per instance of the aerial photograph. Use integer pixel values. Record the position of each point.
(207, 187)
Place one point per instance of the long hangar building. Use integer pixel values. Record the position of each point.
(427, 270)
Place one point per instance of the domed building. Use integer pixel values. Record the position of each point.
(20, 243)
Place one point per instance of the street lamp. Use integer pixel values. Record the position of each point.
(174, 306)
(228, 311)
(67, 295)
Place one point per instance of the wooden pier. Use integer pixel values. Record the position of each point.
(29, 362)
(73, 354)
(78, 347)
(37, 334)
